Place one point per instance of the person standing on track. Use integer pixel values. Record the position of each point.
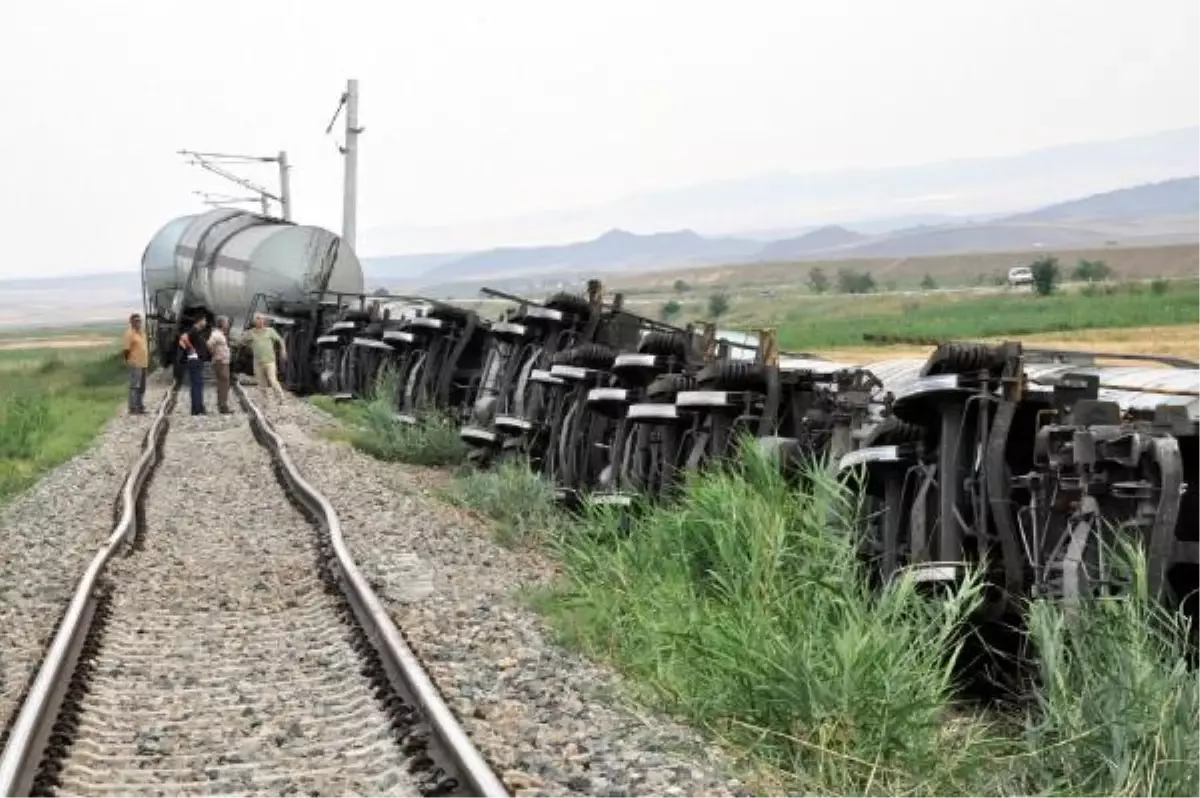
(137, 360)
(262, 344)
(194, 350)
(218, 344)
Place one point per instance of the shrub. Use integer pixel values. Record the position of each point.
(851, 281)
(1159, 286)
(718, 304)
(928, 283)
(670, 310)
(375, 428)
(681, 286)
(513, 495)
(1045, 275)
(432, 441)
(51, 364)
(818, 281)
(1091, 270)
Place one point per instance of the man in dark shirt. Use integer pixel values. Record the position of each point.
(194, 349)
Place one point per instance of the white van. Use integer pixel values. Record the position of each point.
(1020, 275)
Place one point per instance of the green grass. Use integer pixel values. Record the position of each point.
(372, 426)
(742, 608)
(53, 404)
(516, 498)
(815, 322)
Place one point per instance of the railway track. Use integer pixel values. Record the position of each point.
(223, 641)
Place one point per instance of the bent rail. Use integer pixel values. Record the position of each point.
(449, 742)
(31, 730)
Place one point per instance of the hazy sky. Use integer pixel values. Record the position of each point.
(492, 109)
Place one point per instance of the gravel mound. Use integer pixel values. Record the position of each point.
(550, 722)
(225, 667)
(49, 533)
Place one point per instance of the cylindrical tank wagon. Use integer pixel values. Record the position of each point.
(229, 262)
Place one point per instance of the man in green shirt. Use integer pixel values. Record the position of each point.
(262, 340)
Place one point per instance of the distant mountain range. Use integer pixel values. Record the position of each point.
(782, 204)
(1164, 212)
(1055, 198)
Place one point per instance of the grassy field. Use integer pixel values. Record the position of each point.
(86, 331)
(741, 610)
(967, 269)
(53, 403)
(834, 321)
(807, 322)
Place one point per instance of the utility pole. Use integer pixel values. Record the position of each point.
(211, 161)
(349, 101)
(285, 187)
(350, 196)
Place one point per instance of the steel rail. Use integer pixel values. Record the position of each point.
(30, 732)
(449, 742)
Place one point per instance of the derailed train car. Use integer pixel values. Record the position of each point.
(1026, 463)
(1034, 470)
(230, 262)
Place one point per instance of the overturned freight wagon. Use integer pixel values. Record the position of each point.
(1031, 464)
(226, 262)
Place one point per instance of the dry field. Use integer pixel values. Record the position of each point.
(1176, 340)
(57, 342)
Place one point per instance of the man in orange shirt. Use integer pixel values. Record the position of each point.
(137, 360)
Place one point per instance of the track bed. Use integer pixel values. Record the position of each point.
(221, 661)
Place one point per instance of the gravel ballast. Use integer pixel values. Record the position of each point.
(549, 721)
(47, 536)
(224, 666)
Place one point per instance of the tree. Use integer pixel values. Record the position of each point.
(928, 283)
(670, 309)
(680, 286)
(1091, 271)
(379, 292)
(1045, 275)
(718, 304)
(818, 281)
(854, 282)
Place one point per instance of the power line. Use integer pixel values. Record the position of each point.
(212, 162)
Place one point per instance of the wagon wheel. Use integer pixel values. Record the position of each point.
(528, 396)
(413, 395)
(1082, 567)
(568, 448)
(345, 372)
(554, 417)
